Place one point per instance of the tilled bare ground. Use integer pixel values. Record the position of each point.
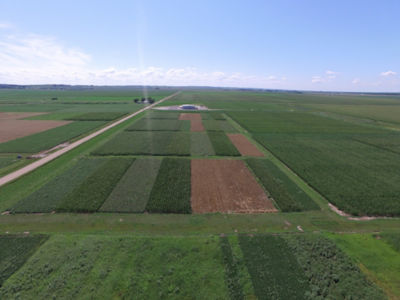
(196, 124)
(13, 129)
(226, 186)
(244, 146)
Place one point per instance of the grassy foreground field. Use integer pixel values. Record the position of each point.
(115, 213)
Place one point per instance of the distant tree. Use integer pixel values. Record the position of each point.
(136, 100)
(151, 100)
(54, 98)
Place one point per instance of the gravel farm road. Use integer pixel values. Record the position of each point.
(16, 174)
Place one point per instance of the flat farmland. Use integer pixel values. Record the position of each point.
(12, 127)
(226, 186)
(227, 203)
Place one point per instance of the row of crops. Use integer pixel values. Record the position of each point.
(245, 266)
(353, 166)
(143, 184)
(161, 133)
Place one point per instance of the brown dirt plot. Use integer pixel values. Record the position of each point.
(196, 125)
(244, 146)
(11, 129)
(226, 186)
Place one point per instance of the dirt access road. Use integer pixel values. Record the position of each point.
(14, 175)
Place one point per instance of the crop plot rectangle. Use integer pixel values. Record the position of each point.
(49, 138)
(96, 116)
(196, 124)
(222, 144)
(226, 186)
(171, 191)
(219, 125)
(158, 125)
(48, 197)
(200, 144)
(133, 190)
(14, 129)
(244, 146)
(90, 195)
(147, 143)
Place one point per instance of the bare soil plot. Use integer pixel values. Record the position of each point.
(245, 147)
(226, 186)
(11, 129)
(196, 124)
(18, 115)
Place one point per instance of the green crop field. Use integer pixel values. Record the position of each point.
(171, 191)
(90, 195)
(50, 196)
(222, 144)
(50, 138)
(286, 194)
(112, 218)
(147, 143)
(160, 125)
(14, 251)
(133, 190)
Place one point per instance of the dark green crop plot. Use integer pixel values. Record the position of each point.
(121, 267)
(358, 178)
(218, 125)
(96, 116)
(14, 252)
(147, 143)
(171, 191)
(48, 197)
(222, 144)
(48, 139)
(94, 190)
(273, 268)
(389, 141)
(157, 114)
(159, 125)
(296, 122)
(284, 191)
(231, 270)
(133, 190)
(331, 274)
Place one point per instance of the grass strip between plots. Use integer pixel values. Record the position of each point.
(48, 197)
(15, 250)
(48, 139)
(92, 192)
(221, 144)
(133, 190)
(171, 191)
(284, 191)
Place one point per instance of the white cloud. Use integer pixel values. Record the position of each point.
(388, 73)
(317, 79)
(356, 81)
(4, 25)
(35, 59)
(331, 74)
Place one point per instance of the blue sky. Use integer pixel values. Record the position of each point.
(300, 44)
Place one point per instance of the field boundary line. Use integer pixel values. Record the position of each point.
(33, 166)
